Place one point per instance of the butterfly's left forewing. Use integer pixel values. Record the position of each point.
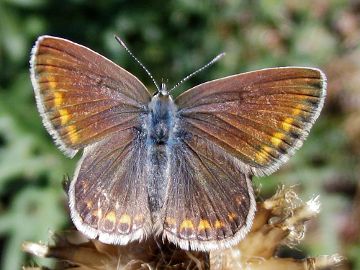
(259, 117)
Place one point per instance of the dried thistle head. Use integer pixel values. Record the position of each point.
(279, 221)
(94, 255)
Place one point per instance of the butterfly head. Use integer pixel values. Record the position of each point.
(163, 90)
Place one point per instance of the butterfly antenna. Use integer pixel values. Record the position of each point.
(215, 59)
(141, 64)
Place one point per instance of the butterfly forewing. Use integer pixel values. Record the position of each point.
(258, 117)
(82, 96)
(108, 195)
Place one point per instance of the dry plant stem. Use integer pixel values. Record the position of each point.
(287, 264)
(94, 255)
(234, 261)
(279, 220)
(262, 243)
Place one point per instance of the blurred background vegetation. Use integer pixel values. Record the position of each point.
(173, 38)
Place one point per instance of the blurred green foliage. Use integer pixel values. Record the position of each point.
(172, 38)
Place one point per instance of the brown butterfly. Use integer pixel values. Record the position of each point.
(178, 168)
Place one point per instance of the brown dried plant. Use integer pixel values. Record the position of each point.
(280, 220)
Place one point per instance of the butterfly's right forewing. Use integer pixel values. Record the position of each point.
(260, 117)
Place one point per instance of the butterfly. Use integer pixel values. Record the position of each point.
(179, 168)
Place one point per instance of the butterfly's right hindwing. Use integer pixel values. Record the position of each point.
(109, 192)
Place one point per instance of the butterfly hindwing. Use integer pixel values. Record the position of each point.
(108, 194)
(209, 202)
(81, 95)
(259, 117)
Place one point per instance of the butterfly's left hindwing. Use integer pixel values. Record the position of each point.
(209, 202)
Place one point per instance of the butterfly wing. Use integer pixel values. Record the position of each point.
(259, 117)
(81, 95)
(108, 195)
(209, 202)
(228, 130)
(87, 101)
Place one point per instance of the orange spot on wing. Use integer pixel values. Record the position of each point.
(52, 84)
(298, 109)
(263, 155)
(186, 224)
(111, 217)
(219, 224)
(125, 218)
(46, 77)
(89, 204)
(46, 69)
(72, 134)
(232, 216)
(64, 116)
(287, 124)
(203, 225)
(58, 98)
(277, 138)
